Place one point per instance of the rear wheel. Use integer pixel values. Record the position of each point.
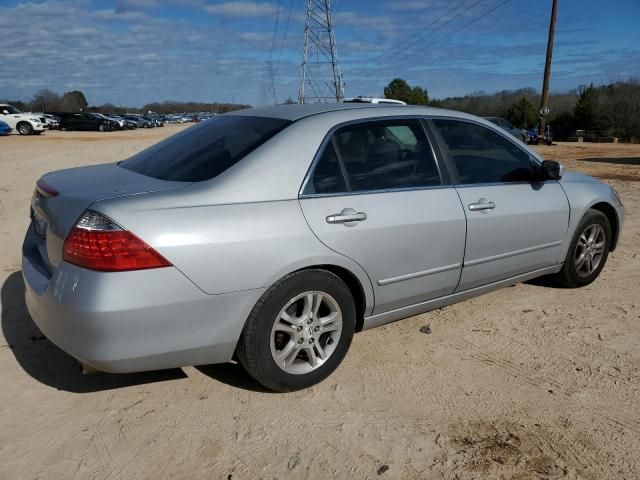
(299, 331)
(24, 128)
(588, 251)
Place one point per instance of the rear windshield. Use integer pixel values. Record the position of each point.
(204, 151)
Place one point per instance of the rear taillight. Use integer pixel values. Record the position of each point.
(45, 189)
(97, 243)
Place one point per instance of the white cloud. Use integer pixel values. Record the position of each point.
(120, 15)
(256, 37)
(242, 9)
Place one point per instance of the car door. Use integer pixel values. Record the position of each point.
(515, 223)
(376, 195)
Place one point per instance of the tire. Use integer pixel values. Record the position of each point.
(102, 128)
(267, 335)
(575, 274)
(24, 128)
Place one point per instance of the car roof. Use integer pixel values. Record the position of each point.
(296, 111)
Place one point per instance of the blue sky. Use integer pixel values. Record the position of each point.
(131, 52)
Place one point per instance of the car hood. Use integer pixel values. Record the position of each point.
(576, 177)
(23, 116)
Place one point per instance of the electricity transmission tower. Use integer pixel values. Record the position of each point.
(320, 77)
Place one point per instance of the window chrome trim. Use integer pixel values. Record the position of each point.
(372, 192)
(329, 136)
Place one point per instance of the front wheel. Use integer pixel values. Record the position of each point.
(102, 128)
(299, 331)
(25, 128)
(588, 251)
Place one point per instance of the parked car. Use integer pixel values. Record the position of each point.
(50, 121)
(116, 123)
(507, 126)
(126, 123)
(86, 121)
(23, 123)
(5, 129)
(270, 235)
(150, 122)
(141, 122)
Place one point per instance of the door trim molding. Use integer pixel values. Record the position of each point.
(500, 256)
(418, 308)
(424, 273)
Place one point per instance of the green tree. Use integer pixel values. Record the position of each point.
(399, 89)
(521, 114)
(74, 101)
(587, 110)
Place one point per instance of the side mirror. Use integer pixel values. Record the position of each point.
(551, 170)
(6, 112)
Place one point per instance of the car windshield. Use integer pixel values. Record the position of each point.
(10, 109)
(204, 151)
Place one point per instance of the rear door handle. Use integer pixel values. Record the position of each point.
(482, 205)
(348, 217)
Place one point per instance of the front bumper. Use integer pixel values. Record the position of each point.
(132, 321)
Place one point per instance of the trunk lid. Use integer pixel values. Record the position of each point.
(78, 188)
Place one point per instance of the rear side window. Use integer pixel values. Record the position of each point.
(327, 176)
(204, 151)
(483, 156)
(380, 155)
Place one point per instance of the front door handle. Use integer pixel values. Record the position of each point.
(482, 205)
(347, 217)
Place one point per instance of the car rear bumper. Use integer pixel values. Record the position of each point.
(132, 321)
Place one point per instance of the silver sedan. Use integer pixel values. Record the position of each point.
(271, 235)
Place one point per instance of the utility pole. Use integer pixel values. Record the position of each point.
(320, 76)
(544, 102)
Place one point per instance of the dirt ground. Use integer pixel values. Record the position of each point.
(529, 382)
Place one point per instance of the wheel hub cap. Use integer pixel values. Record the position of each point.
(590, 250)
(306, 332)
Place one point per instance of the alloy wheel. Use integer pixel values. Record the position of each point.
(590, 250)
(306, 332)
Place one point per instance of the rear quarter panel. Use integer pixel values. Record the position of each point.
(228, 247)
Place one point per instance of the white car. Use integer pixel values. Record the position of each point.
(374, 100)
(23, 123)
(50, 122)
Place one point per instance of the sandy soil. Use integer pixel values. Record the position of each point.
(529, 382)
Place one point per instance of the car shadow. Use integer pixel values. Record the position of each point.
(47, 363)
(232, 374)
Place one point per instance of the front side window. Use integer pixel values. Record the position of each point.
(483, 156)
(380, 155)
(204, 151)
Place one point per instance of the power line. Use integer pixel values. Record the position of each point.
(444, 37)
(426, 35)
(421, 33)
(337, 9)
(284, 36)
(275, 30)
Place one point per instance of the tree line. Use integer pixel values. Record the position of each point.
(75, 101)
(611, 110)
